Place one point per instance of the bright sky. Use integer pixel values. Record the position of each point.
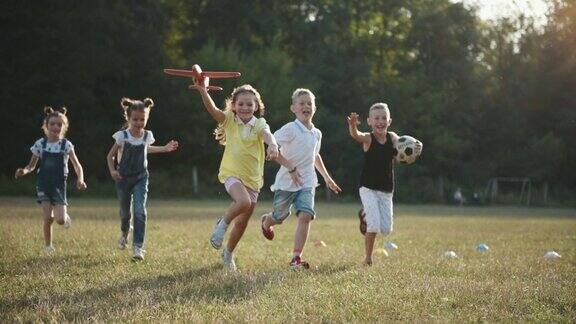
(493, 9)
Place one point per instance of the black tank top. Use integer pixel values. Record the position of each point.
(378, 171)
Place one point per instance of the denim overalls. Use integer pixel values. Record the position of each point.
(134, 185)
(51, 184)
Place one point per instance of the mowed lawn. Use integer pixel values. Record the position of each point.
(88, 279)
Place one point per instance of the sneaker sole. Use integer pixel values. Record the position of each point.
(214, 245)
(212, 242)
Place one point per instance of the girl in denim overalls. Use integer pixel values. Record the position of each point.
(53, 151)
(128, 166)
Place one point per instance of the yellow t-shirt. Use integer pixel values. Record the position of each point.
(244, 152)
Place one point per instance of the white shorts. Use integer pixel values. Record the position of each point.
(378, 208)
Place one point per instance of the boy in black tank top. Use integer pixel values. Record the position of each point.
(377, 178)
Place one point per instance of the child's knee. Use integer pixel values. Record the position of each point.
(244, 205)
(59, 215)
(140, 216)
(304, 217)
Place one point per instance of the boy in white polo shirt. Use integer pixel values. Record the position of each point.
(296, 180)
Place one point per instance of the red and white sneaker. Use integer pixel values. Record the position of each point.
(298, 263)
(267, 232)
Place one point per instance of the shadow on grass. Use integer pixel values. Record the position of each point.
(42, 264)
(207, 284)
(327, 269)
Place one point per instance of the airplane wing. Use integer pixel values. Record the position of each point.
(221, 75)
(183, 73)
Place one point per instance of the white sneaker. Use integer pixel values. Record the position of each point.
(67, 221)
(228, 260)
(138, 253)
(122, 242)
(218, 233)
(49, 249)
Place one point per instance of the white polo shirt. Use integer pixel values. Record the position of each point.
(299, 145)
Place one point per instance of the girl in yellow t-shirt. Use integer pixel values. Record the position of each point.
(243, 131)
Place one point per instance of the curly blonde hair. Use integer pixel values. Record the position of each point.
(219, 133)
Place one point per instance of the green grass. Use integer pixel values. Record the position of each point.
(88, 279)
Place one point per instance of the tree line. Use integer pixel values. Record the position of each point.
(486, 99)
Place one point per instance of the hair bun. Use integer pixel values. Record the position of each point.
(48, 110)
(148, 103)
(126, 103)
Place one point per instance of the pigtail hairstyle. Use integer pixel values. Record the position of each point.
(219, 133)
(50, 113)
(148, 103)
(129, 105)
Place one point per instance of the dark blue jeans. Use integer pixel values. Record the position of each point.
(133, 190)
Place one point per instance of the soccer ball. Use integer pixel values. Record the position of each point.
(405, 146)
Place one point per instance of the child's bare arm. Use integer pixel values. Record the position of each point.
(79, 171)
(353, 122)
(217, 114)
(20, 172)
(272, 150)
(330, 183)
(294, 174)
(110, 158)
(169, 147)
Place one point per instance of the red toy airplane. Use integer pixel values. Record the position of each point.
(202, 78)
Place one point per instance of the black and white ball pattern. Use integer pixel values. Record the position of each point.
(406, 148)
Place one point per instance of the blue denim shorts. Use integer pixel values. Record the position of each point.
(302, 200)
(57, 196)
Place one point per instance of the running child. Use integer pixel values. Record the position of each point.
(296, 179)
(243, 131)
(53, 151)
(128, 166)
(377, 177)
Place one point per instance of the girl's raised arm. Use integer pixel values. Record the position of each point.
(211, 108)
(20, 172)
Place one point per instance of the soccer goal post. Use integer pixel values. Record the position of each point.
(509, 189)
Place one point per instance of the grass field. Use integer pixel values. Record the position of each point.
(88, 279)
